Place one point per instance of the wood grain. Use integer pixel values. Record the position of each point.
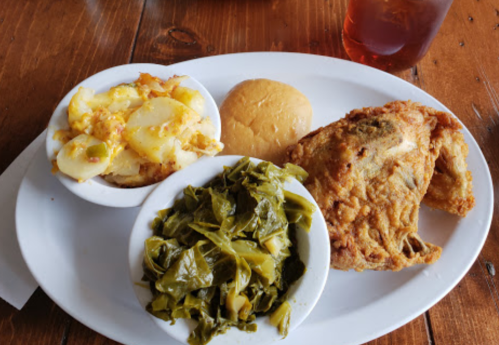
(81, 334)
(461, 70)
(39, 322)
(414, 333)
(47, 47)
(468, 315)
(174, 31)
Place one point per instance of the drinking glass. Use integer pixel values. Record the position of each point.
(391, 35)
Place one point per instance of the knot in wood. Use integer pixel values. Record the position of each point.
(182, 36)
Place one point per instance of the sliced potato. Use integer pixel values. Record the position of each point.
(85, 102)
(200, 138)
(73, 160)
(191, 98)
(126, 163)
(157, 121)
(123, 97)
(182, 158)
(158, 87)
(152, 130)
(80, 109)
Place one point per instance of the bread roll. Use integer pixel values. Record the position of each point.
(261, 118)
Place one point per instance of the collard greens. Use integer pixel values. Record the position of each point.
(226, 253)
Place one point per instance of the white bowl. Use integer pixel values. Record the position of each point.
(313, 248)
(97, 190)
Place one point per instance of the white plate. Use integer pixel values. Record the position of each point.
(313, 249)
(77, 251)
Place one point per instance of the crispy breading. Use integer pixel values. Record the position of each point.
(450, 188)
(368, 173)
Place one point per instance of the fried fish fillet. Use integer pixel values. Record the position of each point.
(368, 173)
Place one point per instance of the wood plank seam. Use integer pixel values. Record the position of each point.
(417, 75)
(132, 51)
(429, 329)
(65, 333)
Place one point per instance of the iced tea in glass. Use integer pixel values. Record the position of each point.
(392, 35)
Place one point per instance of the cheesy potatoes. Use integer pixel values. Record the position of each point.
(135, 134)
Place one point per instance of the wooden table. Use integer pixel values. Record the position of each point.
(46, 47)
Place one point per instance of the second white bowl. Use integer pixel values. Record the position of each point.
(313, 248)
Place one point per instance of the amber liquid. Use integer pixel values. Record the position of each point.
(392, 35)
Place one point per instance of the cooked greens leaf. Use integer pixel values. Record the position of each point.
(243, 274)
(298, 210)
(190, 272)
(296, 171)
(260, 262)
(219, 238)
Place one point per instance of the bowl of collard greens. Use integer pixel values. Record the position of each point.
(229, 249)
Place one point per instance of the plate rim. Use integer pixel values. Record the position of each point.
(372, 335)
